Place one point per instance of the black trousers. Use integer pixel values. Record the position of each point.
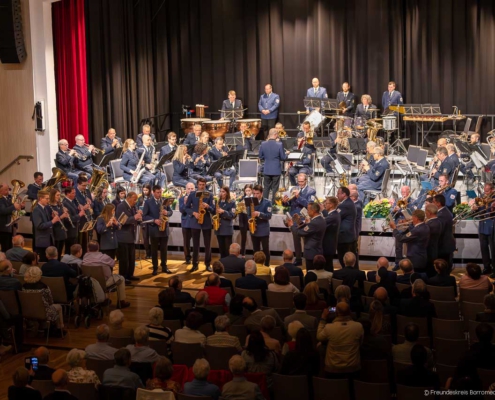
(186, 239)
(328, 262)
(163, 243)
(146, 241)
(196, 243)
(224, 243)
(59, 244)
(244, 231)
(309, 265)
(110, 253)
(343, 248)
(68, 244)
(268, 124)
(83, 240)
(297, 246)
(127, 259)
(487, 245)
(6, 240)
(41, 251)
(270, 183)
(448, 257)
(264, 241)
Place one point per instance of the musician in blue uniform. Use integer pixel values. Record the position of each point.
(452, 155)
(446, 167)
(59, 230)
(247, 141)
(391, 97)
(200, 163)
(231, 103)
(225, 210)
(216, 152)
(416, 238)
(120, 196)
(396, 214)
(34, 188)
(268, 107)
(107, 226)
(110, 141)
(84, 202)
(447, 244)
(435, 225)
(347, 229)
(193, 206)
(184, 222)
(130, 161)
(448, 192)
(316, 91)
(194, 136)
(347, 97)
(142, 198)
(146, 131)
(332, 221)
(75, 214)
(262, 216)
(100, 200)
(304, 165)
(154, 210)
(363, 109)
(84, 159)
(467, 168)
(373, 178)
(6, 210)
(272, 153)
(126, 237)
(300, 198)
(182, 163)
(150, 161)
(486, 213)
(65, 160)
(170, 147)
(243, 219)
(43, 223)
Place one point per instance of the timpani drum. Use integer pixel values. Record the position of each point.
(253, 125)
(216, 128)
(187, 123)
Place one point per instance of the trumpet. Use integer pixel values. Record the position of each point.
(75, 154)
(247, 134)
(95, 149)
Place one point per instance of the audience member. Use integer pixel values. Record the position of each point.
(309, 322)
(260, 258)
(221, 337)
(374, 346)
(466, 378)
(303, 359)
(473, 279)
(202, 299)
(489, 314)
(401, 353)
(250, 281)
(54, 268)
(379, 326)
(292, 268)
(239, 387)
(199, 385)
(20, 390)
(140, 351)
(75, 256)
(443, 277)
(281, 281)
(292, 330)
(166, 300)
(407, 269)
(101, 350)
(236, 310)
(7, 281)
(216, 295)
(120, 375)
(383, 281)
(481, 354)
(60, 381)
(313, 299)
(319, 264)
(163, 377)
(417, 375)
(349, 275)
(190, 333)
(17, 252)
(156, 330)
(253, 321)
(115, 321)
(44, 372)
(180, 296)
(233, 264)
(78, 373)
(381, 295)
(419, 305)
(382, 263)
(225, 283)
(29, 260)
(344, 338)
(267, 326)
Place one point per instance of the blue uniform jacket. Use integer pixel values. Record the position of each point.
(307, 158)
(127, 233)
(167, 149)
(148, 156)
(332, 221)
(106, 144)
(347, 229)
(446, 167)
(398, 216)
(81, 199)
(263, 221)
(151, 212)
(270, 103)
(181, 171)
(349, 101)
(191, 138)
(272, 153)
(391, 100)
(43, 227)
(436, 228)
(485, 227)
(58, 231)
(139, 139)
(201, 167)
(360, 111)
(6, 210)
(184, 219)
(71, 206)
(450, 196)
(313, 234)
(454, 159)
(86, 157)
(226, 218)
(192, 205)
(376, 173)
(446, 244)
(359, 216)
(215, 154)
(227, 105)
(306, 196)
(129, 161)
(320, 93)
(108, 235)
(65, 162)
(417, 244)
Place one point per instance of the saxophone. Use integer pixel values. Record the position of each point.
(163, 219)
(252, 220)
(216, 218)
(201, 209)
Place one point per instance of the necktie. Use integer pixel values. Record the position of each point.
(232, 105)
(315, 90)
(390, 95)
(345, 96)
(365, 108)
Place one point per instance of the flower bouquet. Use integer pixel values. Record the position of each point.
(377, 208)
(170, 195)
(462, 209)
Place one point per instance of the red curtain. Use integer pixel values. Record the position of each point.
(69, 41)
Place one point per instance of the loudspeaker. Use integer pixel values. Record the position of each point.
(12, 50)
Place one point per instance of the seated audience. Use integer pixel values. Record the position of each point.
(260, 258)
(466, 378)
(419, 305)
(236, 310)
(489, 314)
(156, 330)
(253, 321)
(140, 350)
(29, 260)
(221, 337)
(303, 359)
(101, 350)
(115, 322)
(225, 283)
(180, 296)
(267, 327)
(239, 387)
(319, 269)
(20, 390)
(233, 263)
(344, 338)
(54, 268)
(281, 281)
(381, 295)
(294, 270)
(202, 300)
(44, 372)
(60, 381)
(190, 333)
(349, 275)
(473, 279)
(443, 277)
(417, 375)
(216, 295)
(313, 299)
(407, 269)
(7, 281)
(343, 293)
(77, 372)
(17, 252)
(378, 324)
(384, 281)
(250, 281)
(163, 377)
(401, 353)
(308, 321)
(481, 354)
(166, 300)
(292, 330)
(382, 263)
(75, 256)
(199, 385)
(120, 375)
(374, 346)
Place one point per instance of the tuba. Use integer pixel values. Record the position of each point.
(309, 137)
(216, 218)
(98, 181)
(17, 186)
(282, 134)
(58, 176)
(247, 134)
(201, 209)
(252, 220)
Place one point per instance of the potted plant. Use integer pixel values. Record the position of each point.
(377, 208)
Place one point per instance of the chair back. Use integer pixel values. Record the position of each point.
(386, 178)
(374, 371)
(442, 293)
(255, 294)
(16, 265)
(367, 300)
(367, 286)
(57, 287)
(339, 388)
(446, 309)
(469, 311)
(182, 396)
(336, 283)
(232, 277)
(472, 332)
(266, 278)
(119, 342)
(216, 308)
(10, 301)
(95, 273)
(160, 346)
(402, 322)
(44, 386)
(206, 329)
(83, 391)
(448, 351)
(172, 324)
(324, 284)
(279, 299)
(472, 295)
(444, 372)
(399, 367)
(371, 391)
(248, 170)
(296, 281)
(183, 306)
(116, 170)
(169, 171)
(106, 392)
(240, 332)
(20, 278)
(402, 286)
(143, 394)
(219, 357)
(315, 313)
(186, 353)
(290, 387)
(448, 329)
(99, 366)
(32, 305)
(411, 393)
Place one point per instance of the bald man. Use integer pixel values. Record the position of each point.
(44, 372)
(382, 262)
(316, 92)
(60, 380)
(110, 142)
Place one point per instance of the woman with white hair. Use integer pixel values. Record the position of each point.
(78, 373)
(157, 331)
(292, 330)
(33, 284)
(115, 322)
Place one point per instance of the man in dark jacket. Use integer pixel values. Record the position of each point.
(233, 264)
(55, 268)
(288, 257)
(332, 220)
(251, 282)
(180, 296)
(349, 275)
(201, 302)
(347, 229)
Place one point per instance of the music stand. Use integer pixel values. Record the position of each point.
(190, 148)
(158, 146)
(289, 143)
(235, 156)
(251, 200)
(165, 159)
(255, 145)
(431, 109)
(357, 145)
(312, 102)
(330, 105)
(233, 140)
(217, 166)
(233, 115)
(88, 226)
(294, 156)
(206, 194)
(321, 143)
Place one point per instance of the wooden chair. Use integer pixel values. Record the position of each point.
(402, 286)
(232, 277)
(411, 393)
(44, 386)
(219, 357)
(99, 366)
(33, 308)
(324, 284)
(183, 306)
(59, 293)
(172, 324)
(290, 387)
(374, 371)
(20, 278)
(367, 287)
(449, 352)
(119, 342)
(336, 283)
(143, 369)
(143, 394)
(116, 392)
(442, 293)
(367, 300)
(469, 311)
(160, 346)
(16, 265)
(83, 391)
(296, 281)
(10, 300)
(338, 388)
(216, 308)
(472, 332)
(371, 391)
(446, 309)
(186, 353)
(448, 329)
(279, 299)
(97, 273)
(256, 295)
(267, 278)
(206, 329)
(472, 295)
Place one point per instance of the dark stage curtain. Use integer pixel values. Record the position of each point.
(69, 40)
(147, 57)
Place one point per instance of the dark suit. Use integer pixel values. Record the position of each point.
(349, 99)
(183, 297)
(43, 229)
(349, 275)
(191, 138)
(391, 99)
(331, 237)
(85, 160)
(436, 228)
(313, 234)
(233, 264)
(67, 164)
(392, 276)
(228, 106)
(72, 231)
(347, 229)
(404, 278)
(251, 282)
(6, 210)
(208, 316)
(417, 243)
(363, 112)
(126, 237)
(55, 268)
(139, 139)
(272, 153)
(106, 144)
(319, 92)
(32, 191)
(23, 393)
(446, 244)
(444, 281)
(167, 149)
